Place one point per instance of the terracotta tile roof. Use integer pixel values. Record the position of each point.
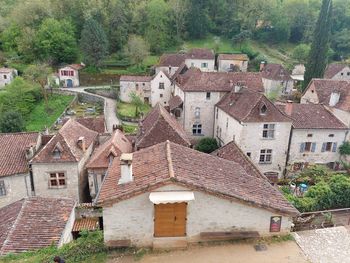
(275, 72)
(33, 223)
(333, 69)
(168, 162)
(200, 53)
(313, 116)
(175, 102)
(245, 106)
(6, 70)
(116, 145)
(13, 151)
(135, 78)
(96, 124)
(159, 126)
(90, 224)
(76, 66)
(195, 80)
(172, 60)
(325, 87)
(182, 69)
(243, 57)
(66, 141)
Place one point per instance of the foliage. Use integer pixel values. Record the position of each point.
(301, 53)
(137, 49)
(344, 149)
(11, 121)
(128, 110)
(197, 19)
(137, 102)
(207, 145)
(241, 37)
(129, 129)
(313, 174)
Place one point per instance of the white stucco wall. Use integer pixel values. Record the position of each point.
(133, 219)
(74, 78)
(310, 96)
(283, 87)
(198, 64)
(128, 87)
(169, 70)
(17, 187)
(225, 65)
(344, 74)
(156, 92)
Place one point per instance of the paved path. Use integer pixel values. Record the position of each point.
(110, 107)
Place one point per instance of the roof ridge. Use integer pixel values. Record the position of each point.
(170, 161)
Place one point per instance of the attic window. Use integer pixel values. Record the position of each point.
(263, 109)
(56, 153)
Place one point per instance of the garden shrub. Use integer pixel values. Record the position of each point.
(207, 145)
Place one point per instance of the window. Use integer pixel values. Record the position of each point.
(208, 96)
(5, 76)
(197, 129)
(265, 156)
(71, 73)
(204, 65)
(226, 123)
(269, 131)
(56, 153)
(263, 110)
(192, 64)
(249, 154)
(348, 73)
(331, 135)
(143, 84)
(197, 112)
(342, 74)
(217, 113)
(309, 135)
(329, 147)
(57, 180)
(2, 188)
(307, 147)
(161, 85)
(161, 95)
(137, 86)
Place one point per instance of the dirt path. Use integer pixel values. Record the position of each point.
(284, 252)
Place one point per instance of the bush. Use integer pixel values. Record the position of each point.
(11, 121)
(207, 145)
(344, 149)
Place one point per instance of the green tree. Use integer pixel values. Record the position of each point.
(55, 41)
(301, 53)
(179, 9)
(207, 145)
(317, 60)
(10, 38)
(137, 101)
(242, 37)
(197, 21)
(93, 42)
(136, 49)
(11, 121)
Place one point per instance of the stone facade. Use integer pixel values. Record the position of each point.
(205, 65)
(69, 77)
(160, 89)
(207, 213)
(343, 74)
(6, 76)
(225, 65)
(279, 86)
(17, 187)
(141, 88)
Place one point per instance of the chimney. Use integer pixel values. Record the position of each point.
(237, 88)
(289, 107)
(81, 143)
(262, 65)
(334, 99)
(125, 168)
(30, 152)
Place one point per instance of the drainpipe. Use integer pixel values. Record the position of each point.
(288, 151)
(31, 179)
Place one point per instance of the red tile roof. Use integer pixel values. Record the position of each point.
(116, 145)
(6, 70)
(13, 152)
(76, 66)
(66, 141)
(96, 124)
(242, 57)
(175, 102)
(90, 224)
(172, 60)
(159, 126)
(245, 106)
(33, 223)
(333, 69)
(200, 53)
(135, 78)
(275, 72)
(195, 80)
(167, 163)
(313, 116)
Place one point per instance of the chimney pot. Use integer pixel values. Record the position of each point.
(334, 99)
(81, 143)
(125, 168)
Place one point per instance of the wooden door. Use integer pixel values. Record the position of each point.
(170, 220)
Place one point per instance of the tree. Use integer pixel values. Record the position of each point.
(207, 145)
(94, 42)
(179, 10)
(11, 121)
(197, 21)
(242, 37)
(317, 60)
(10, 38)
(137, 49)
(137, 101)
(301, 53)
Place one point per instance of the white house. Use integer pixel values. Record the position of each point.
(7, 75)
(276, 79)
(232, 62)
(337, 72)
(257, 126)
(201, 58)
(171, 195)
(69, 75)
(170, 63)
(316, 136)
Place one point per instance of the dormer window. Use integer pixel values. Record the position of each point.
(56, 153)
(263, 110)
(110, 158)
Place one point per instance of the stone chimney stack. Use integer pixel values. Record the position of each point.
(30, 151)
(334, 99)
(262, 65)
(81, 143)
(125, 168)
(289, 107)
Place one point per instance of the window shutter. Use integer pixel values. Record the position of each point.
(324, 147)
(302, 147)
(313, 147)
(334, 149)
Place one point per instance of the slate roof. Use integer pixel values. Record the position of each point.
(313, 116)
(33, 223)
(325, 87)
(333, 69)
(173, 60)
(159, 126)
(13, 152)
(275, 72)
(195, 80)
(245, 106)
(175, 102)
(167, 163)
(242, 57)
(66, 141)
(116, 145)
(135, 78)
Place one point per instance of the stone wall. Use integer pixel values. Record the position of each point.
(17, 187)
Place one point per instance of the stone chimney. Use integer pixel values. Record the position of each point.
(262, 65)
(237, 88)
(334, 99)
(125, 168)
(30, 151)
(289, 107)
(81, 143)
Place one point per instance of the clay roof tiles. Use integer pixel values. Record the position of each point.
(200, 53)
(136, 78)
(172, 60)
(275, 72)
(243, 57)
(333, 69)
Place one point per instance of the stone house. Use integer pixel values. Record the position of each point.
(232, 62)
(276, 79)
(316, 136)
(159, 126)
(15, 152)
(7, 75)
(171, 195)
(298, 72)
(257, 126)
(337, 71)
(170, 63)
(198, 92)
(34, 223)
(103, 156)
(201, 58)
(69, 75)
(58, 168)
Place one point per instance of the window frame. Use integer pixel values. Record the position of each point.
(57, 177)
(265, 156)
(2, 188)
(204, 65)
(161, 85)
(269, 131)
(197, 129)
(207, 96)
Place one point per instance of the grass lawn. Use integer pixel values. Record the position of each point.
(128, 110)
(38, 119)
(219, 44)
(129, 129)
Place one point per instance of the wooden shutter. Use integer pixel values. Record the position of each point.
(313, 147)
(334, 148)
(324, 147)
(170, 220)
(302, 147)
